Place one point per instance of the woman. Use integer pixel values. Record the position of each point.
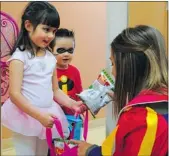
(139, 63)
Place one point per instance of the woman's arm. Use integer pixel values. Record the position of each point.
(94, 150)
(87, 149)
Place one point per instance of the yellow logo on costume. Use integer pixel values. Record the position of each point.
(64, 79)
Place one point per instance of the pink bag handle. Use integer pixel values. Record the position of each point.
(60, 131)
(49, 137)
(49, 141)
(86, 120)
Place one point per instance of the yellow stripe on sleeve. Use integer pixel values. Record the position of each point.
(150, 135)
(109, 144)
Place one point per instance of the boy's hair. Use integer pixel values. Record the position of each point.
(141, 63)
(37, 12)
(62, 32)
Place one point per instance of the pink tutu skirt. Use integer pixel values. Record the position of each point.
(16, 120)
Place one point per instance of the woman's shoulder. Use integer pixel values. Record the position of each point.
(134, 117)
(134, 114)
(140, 116)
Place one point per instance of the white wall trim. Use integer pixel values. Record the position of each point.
(117, 20)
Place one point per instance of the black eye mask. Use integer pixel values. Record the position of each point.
(63, 50)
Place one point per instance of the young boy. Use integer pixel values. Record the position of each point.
(68, 75)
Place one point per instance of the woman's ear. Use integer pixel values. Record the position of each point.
(28, 26)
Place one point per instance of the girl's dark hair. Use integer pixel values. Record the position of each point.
(37, 12)
(140, 62)
(62, 32)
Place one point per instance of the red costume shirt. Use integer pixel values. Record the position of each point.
(70, 83)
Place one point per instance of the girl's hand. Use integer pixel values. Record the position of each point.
(47, 120)
(82, 147)
(78, 107)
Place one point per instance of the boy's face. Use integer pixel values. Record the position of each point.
(63, 50)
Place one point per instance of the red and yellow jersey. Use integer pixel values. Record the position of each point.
(69, 81)
(140, 130)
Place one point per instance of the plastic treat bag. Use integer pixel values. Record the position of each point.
(59, 145)
(96, 97)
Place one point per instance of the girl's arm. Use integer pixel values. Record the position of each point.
(65, 100)
(16, 68)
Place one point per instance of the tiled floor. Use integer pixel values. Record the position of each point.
(96, 135)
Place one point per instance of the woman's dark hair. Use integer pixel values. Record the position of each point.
(37, 12)
(62, 32)
(140, 63)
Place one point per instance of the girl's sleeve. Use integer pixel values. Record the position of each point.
(17, 55)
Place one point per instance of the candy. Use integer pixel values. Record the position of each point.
(96, 97)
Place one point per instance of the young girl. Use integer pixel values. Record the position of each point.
(140, 67)
(33, 83)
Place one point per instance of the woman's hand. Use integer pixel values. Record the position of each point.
(82, 147)
(47, 120)
(111, 94)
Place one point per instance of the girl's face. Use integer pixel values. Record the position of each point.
(63, 50)
(42, 35)
(113, 64)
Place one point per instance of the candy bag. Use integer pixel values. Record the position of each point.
(60, 145)
(96, 97)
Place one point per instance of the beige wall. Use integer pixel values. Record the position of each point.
(150, 13)
(88, 20)
(89, 26)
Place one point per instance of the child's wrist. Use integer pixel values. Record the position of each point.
(71, 104)
(38, 115)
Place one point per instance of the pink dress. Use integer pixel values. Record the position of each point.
(37, 88)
